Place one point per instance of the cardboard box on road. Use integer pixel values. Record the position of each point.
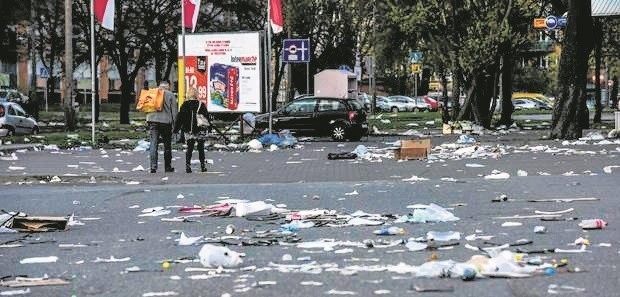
(417, 149)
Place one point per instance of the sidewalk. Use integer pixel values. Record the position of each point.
(308, 163)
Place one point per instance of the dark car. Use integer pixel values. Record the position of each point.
(339, 118)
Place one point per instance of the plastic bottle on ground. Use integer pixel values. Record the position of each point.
(593, 224)
(390, 231)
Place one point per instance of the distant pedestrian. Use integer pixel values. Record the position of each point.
(187, 123)
(33, 105)
(160, 125)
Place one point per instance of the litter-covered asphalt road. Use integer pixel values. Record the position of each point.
(123, 238)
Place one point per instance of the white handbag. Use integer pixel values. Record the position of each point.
(201, 120)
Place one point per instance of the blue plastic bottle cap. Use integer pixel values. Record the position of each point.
(549, 271)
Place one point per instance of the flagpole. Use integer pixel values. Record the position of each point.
(268, 78)
(183, 48)
(92, 69)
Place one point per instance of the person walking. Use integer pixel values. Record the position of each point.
(160, 125)
(187, 122)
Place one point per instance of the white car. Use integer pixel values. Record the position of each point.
(522, 103)
(14, 120)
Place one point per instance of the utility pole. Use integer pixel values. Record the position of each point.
(68, 84)
(373, 82)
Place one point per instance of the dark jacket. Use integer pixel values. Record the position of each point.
(186, 119)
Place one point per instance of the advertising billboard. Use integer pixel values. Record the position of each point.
(225, 68)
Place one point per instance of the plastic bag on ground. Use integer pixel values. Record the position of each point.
(255, 144)
(215, 256)
(430, 213)
(361, 151)
(242, 209)
(287, 139)
(269, 139)
(142, 146)
(465, 139)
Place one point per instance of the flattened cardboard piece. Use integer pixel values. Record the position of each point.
(38, 224)
(410, 149)
(33, 282)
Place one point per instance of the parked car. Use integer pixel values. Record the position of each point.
(14, 120)
(523, 103)
(541, 104)
(339, 118)
(418, 104)
(396, 104)
(12, 95)
(381, 104)
(433, 104)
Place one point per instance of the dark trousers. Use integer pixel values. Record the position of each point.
(190, 150)
(164, 131)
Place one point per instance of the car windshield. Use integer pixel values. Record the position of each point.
(354, 104)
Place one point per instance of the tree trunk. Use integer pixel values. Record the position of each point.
(457, 78)
(570, 107)
(507, 107)
(445, 113)
(70, 123)
(614, 93)
(97, 105)
(598, 44)
(126, 99)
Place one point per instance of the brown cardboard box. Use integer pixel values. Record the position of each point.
(414, 149)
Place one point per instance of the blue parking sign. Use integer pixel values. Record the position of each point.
(296, 50)
(44, 72)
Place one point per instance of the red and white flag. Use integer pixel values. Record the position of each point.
(191, 9)
(275, 16)
(104, 12)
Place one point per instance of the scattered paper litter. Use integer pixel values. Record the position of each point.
(474, 165)
(38, 260)
(111, 260)
(521, 172)
(511, 224)
(609, 169)
(184, 240)
(497, 175)
(154, 294)
(15, 292)
(16, 168)
(554, 212)
(415, 178)
(336, 292)
(180, 196)
(138, 168)
(311, 283)
(351, 193)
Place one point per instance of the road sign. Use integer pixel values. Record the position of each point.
(296, 50)
(415, 57)
(551, 22)
(539, 23)
(562, 22)
(44, 73)
(416, 68)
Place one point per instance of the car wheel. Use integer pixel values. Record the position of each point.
(10, 132)
(394, 109)
(339, 132)
(35, 130)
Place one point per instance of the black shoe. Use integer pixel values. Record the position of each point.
(188, 170)
(170, 169)
(203, 169)
(153, 170)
